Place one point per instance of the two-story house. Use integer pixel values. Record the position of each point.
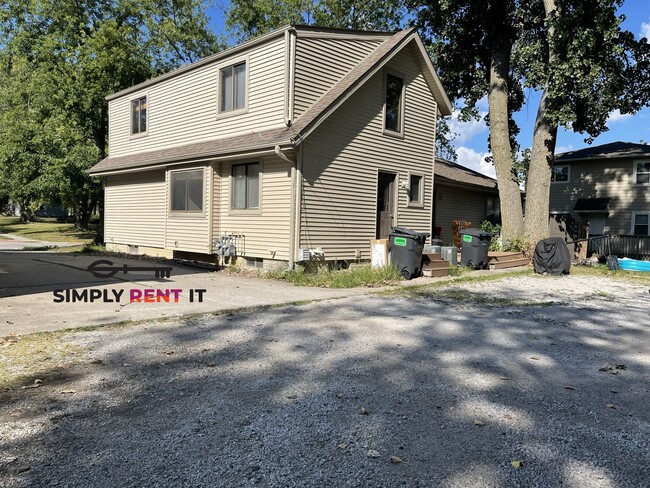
(301, 142)
(603, 188)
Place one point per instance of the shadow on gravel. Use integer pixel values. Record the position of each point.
(456, 391)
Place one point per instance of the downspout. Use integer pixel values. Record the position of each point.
(297, 210)
(289, 74)
(292, 211)
(433, 175)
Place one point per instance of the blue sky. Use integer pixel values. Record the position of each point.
(471, 145)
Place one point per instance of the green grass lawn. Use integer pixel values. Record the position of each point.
(46, 230)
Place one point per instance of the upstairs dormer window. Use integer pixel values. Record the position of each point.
(393, 104)
(232, 88)
(559, 174)
(139, 116)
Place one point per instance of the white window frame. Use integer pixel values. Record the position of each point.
(144, 133)
(634, 214)
(399, 133)
(568, 178)
(231, 196)
(231, 63)
(419, 203)
(634, 172)
(188, 213)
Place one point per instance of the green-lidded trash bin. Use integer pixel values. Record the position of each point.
(475, 247)
(406, 251)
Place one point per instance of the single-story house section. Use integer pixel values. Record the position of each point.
(461, 193)
(301, 143)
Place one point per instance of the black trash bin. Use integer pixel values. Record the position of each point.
(406, 251)
(475, 247)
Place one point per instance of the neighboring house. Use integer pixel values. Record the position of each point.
(301, 142)
(603, 188)
(461, 193)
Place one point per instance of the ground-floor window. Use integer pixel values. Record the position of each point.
(641, 223)
(246, 186)
(186, 191)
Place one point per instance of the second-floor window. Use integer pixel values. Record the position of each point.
(642, 172)
(560, 174)
(139, 116)
(394, 104)
(232, 90)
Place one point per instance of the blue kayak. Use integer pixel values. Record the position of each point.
(634, 265)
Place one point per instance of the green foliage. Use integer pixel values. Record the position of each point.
(345, 278)
(516, 245)
(58, 60)
(495, 230)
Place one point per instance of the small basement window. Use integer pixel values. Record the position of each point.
(416, 190)
(246, 186)
(187, 191)
(139, 116)
(560, 174)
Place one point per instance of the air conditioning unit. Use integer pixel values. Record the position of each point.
(304, 254)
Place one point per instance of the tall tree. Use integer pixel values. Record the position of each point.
(573, 51)
(58, 60)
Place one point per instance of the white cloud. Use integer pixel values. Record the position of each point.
(563, 149)
(475, 160)
(617, 116)
(645, 30)
(466, 130)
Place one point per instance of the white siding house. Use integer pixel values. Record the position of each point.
(302, 140)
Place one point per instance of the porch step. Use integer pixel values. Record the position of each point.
(434, 273)
(436, 265)
(501, 260)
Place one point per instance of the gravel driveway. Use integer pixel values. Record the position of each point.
(457, 386)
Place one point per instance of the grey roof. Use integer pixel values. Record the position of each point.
(267, 138)
(460, 174)
(612, 150)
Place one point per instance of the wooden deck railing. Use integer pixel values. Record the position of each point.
(635, 247)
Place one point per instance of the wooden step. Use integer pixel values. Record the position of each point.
(432, 256)
(434, 273)
(511, 263)
(436, 265)
(502, 257)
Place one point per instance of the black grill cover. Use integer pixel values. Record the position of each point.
(552, 257)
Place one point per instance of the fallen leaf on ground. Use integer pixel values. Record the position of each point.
(363, 410)
(534, 358)
(395, 460)
(479, 422)
(611, 405)
(504, 378)
(569, 387)
(292, 396)
(168, 352)
(68, 392)
(373, 454)
(516, 464)
(343, 445)
(95, 361)
(37, 383)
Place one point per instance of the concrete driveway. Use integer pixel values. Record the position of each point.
(42, 291)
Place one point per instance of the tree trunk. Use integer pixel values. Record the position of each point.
(538, 185)
(539, 176)
(509, 194)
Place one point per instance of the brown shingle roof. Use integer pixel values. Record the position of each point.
(460, 174)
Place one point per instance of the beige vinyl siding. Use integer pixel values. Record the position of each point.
(342, 157)
(603, 179)
(320, 63)
(455, 203)
(135, 209)
(183, 109)
(266, 229)
(190, 232)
